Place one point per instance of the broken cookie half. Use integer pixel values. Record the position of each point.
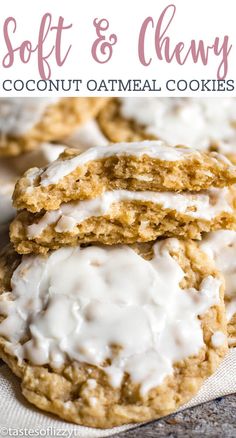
(123, 193)
(148, 165)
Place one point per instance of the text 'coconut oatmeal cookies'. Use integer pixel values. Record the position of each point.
(123, 193)
(140, 329)
(201, 123)
(27, 122)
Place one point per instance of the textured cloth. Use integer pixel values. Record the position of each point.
(18, 414)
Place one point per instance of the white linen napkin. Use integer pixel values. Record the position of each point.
(17, 414)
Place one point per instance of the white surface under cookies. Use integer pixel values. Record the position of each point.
(17, 413)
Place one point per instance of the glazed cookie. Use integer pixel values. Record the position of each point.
(13, 167)
(201, 123)
(153, 166)
(122, 216)
(87, 136)
(221, 247)
(27, 122)
(135, 339)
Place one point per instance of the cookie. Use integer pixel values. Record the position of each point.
(87, 136)
(129, 338)
(27, 122)
(12, 168)
(201, 123)
(221, 247)
(122, 216)
(153, 166)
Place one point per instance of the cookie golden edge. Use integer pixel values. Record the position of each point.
(232, 331)
(117, 128)
(58, 121)
(66, 393)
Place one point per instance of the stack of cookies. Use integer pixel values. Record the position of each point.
(112, 307)
(28, 126)
(203, 123)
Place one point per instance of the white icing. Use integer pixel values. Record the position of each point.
(91, 383)
(155, 149)
(232, 341)
(227, 147)
(204, 205)
(106, 297)
(230, 308)
(218, 339)
(194, 122)
(87, 136)
(18, 115)
(93, 401)
(221, 247)
(12, 168)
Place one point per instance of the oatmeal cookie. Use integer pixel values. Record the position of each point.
(27, 122)
(221, 247)
(122, 216)
(115, 338)
(153, 166)
(201, 123)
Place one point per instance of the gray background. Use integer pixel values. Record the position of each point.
(213, 419)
